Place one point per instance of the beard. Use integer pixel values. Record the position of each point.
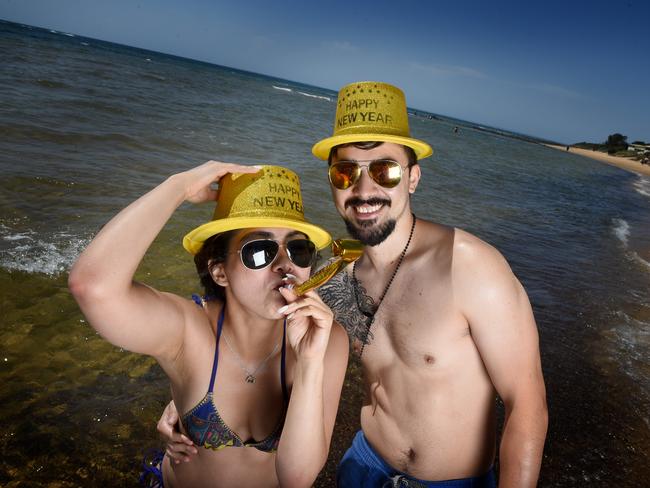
(370, 233)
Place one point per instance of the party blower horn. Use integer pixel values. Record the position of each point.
(345, 251)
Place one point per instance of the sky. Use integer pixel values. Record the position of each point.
(567, 70)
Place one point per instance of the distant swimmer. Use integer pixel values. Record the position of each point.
(456, 130)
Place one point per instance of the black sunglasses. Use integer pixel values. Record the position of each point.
(261, 253)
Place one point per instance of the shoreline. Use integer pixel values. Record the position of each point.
(623, 163)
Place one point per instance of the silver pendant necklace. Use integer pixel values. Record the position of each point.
(250, 375)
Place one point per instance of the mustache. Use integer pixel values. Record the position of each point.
(356, 201)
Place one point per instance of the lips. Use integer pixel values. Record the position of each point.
(288, 281)
(366, 208)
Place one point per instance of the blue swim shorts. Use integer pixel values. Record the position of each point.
(361, 466)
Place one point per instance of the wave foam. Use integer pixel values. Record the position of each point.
(642, 185)
(28, 252)
(304, 94)
(315, 96)
(633, 339)
(621, 230)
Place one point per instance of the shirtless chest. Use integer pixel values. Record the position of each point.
(417, 323)
(421, 368)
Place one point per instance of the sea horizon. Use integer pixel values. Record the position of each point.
(333, 93)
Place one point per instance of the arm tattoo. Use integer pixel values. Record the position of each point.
(340, 294)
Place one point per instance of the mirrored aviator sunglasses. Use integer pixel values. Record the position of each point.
(385, 172)
(261, 253)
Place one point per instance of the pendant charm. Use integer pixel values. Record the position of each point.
(250, 378)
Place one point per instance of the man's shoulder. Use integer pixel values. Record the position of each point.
(460, 244)
(467, 246)
(480, 269)
(476, 259)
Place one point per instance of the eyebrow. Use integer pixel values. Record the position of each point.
(391, 158)
(268, 235)
(256, 234)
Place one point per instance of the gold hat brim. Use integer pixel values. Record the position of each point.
(322, 148)
(194, 239)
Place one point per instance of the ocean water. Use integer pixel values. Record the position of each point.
(87, 126)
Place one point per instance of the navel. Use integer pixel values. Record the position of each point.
(408, 459)
(411, 455)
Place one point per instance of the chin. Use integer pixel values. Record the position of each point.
(371, 233)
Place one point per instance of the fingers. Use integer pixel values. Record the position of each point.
(170, 413)
(198, 181)
(288, 295)
(295, 302)
(320, 315)
(167, 421)
(179, 446)
(180, 452)
(216, 169)
(220, 169)
(310, 305)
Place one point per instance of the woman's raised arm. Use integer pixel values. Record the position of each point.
(126, 313)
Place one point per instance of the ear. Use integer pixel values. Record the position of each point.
(414, 177)
(218, 273)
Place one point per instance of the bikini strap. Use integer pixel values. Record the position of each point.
(202, 301)
(283, 368)
(216, 349)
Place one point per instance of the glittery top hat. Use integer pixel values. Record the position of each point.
(268, 198)
(371, 111)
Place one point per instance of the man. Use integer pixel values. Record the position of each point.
(440, 322)
(437, 315)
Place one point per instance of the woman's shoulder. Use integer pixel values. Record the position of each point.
(200, 313)
(200, 325)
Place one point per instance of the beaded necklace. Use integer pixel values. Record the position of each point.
(370, 316)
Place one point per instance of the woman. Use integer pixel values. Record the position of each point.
(246, 363)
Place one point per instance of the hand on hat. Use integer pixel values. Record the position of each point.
(309, 322)
(198, 181)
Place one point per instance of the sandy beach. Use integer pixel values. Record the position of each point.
(623, 163)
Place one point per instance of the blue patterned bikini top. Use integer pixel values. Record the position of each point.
(205, 426)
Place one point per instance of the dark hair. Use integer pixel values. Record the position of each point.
(213, 251)
(367, 145)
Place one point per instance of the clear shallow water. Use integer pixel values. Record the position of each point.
(86, 127)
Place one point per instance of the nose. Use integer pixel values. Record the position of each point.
(365, 184)
(282, 263)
